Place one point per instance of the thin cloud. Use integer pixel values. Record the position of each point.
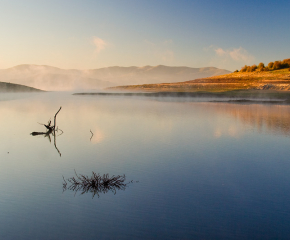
(100, 44)
(236, 54)
(231, 58)
(220, 52)
(240, 54)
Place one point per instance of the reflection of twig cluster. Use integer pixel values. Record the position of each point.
(95, 184)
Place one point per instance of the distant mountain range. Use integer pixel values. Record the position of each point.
(55, 79)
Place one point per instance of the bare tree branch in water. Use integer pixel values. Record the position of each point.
(51, 129)
(55, 117)
(95, 184)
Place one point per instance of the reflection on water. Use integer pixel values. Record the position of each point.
(95, 184)
(206, 170)
(48, 134)
(264, 118)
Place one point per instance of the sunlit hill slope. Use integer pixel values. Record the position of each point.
(266, 80)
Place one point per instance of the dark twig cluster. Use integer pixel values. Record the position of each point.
(51, 129)
(95, 184)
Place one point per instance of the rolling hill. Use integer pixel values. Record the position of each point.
(265, 80)
(56, 79)
(17, 88)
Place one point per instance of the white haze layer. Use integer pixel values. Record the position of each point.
(55, 79)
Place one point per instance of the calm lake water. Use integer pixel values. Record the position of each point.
(200, 170)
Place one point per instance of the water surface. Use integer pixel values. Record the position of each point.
(200, 170)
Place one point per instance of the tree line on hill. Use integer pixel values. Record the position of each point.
(270, 67)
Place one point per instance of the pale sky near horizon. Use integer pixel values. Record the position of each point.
(91, 34)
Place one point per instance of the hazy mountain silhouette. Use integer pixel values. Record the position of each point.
(11, 87)
(55, 79)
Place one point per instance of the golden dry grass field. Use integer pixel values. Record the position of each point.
(266, 80)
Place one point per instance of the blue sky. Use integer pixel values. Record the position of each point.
(92, 34)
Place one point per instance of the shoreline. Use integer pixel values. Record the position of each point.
(235, 96)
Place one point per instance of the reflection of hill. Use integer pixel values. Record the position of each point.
(269, 118)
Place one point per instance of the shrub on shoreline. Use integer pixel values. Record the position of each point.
(271, 66)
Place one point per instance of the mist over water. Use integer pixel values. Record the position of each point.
(50, 78)
(200, 170)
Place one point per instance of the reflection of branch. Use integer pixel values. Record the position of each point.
(95, 184)
(54, 138)
(92, 134)
(48, 136)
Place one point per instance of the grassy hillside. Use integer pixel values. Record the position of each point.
(17, 88)
(261, 80)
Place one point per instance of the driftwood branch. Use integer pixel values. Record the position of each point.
(51, 129)
(37, 133)
(55, 116)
